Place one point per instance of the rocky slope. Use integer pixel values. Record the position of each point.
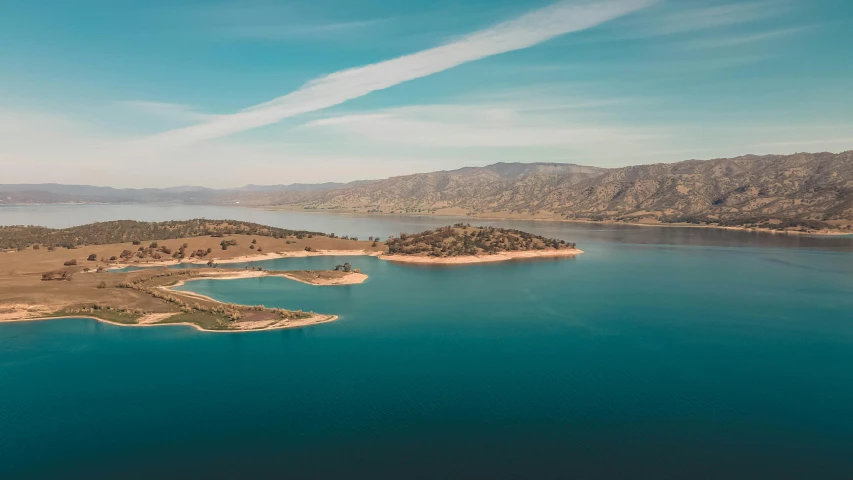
(472, 190)
(774, 191)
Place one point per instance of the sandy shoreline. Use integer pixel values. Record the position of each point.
(316, 319)
(250, 258)
(351, 279)
(150, 320)
(357, 278)
(497, 257)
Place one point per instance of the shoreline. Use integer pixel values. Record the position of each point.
(305, 323)
(471, 259)
(263, 257)
(315, 319)
(351, 279)
(468, 218)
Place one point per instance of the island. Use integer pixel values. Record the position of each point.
(125, 272)
(461, 243)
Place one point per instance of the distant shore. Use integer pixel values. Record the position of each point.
(497, 257)
(469, 218)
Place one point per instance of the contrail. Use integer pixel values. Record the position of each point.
(523, 32)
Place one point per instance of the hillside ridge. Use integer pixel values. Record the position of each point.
(808, 191)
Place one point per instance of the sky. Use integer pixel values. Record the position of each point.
(226, 93)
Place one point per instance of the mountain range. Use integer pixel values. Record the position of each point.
(804, 190)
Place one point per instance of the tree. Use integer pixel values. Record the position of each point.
(102, 284)
(93, 258)
(69, 263)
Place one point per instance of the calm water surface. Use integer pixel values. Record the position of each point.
(659, 353)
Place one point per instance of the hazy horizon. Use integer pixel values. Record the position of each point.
(227, 94)
(345, 181)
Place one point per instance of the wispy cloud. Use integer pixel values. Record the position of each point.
(480, 126)
(714, 16)
(687, 18)
(523, 32)
(728, 41)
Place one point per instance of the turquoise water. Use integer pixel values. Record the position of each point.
(659, 353)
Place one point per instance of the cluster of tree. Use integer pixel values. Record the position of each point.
(95, 307)
(750, 222)
(57, 275)
(462, 239)
(121, 231)
(346, 267)
(154, 251)
(200, 253)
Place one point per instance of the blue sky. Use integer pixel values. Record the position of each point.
(224, 93)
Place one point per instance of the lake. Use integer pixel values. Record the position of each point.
(659, 353)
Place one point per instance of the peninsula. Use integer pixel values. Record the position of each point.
(124, 272)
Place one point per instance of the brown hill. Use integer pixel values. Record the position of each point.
(118, 231)
(471, 189)
(751, 189)
(774, 191)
